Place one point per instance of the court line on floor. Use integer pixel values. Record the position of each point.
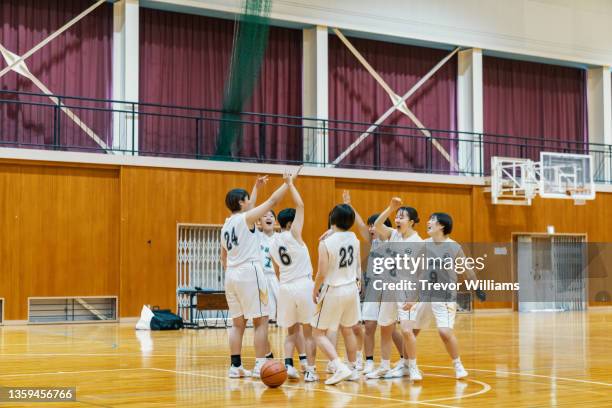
(70, 372)
(528, 375)
(324, 361)
(46, 343)
(426, 402)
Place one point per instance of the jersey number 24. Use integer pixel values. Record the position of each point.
(233, 240)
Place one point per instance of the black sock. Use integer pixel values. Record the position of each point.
(401, 356)
(371, 358)
(270, 356)
(236, 360)
(289, 362)
(302, 357)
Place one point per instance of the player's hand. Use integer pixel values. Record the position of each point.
(359, 285)
(297, 172)
(396, 203)
(315, 296)
(287, 177)
(346, 197)
(260, 181)
(407, 306)
(326, 234)
(481, 295)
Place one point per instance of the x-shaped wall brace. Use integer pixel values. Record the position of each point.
(17, 64)
(399, 103)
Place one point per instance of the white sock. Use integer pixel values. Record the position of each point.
(402, 361)
(260, 360)
(359, 356)
(385, 363)
(337, 362)
(412, 363)
(457, 361)
(311, 368)
(352, 365)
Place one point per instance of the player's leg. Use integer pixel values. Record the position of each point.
(311, 351)
(300, 345)
(287, 319)
(256, 308)
(358, 333)
(452, 347)
(385, 352)
(368, 345)
(260, 342)
(351, 315)
(350, 343)
(236, 332)
(369, 314)
(398, 341)
(304, 310)
(410, 349)
(273, 289)
(387, 319)
(332, 335)
(331, 309)
(290, 340)
(444, 313)
(342, 372)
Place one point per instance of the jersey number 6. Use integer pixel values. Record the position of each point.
(285, 258)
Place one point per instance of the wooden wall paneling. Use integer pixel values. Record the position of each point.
(10, 236)
(65, 237)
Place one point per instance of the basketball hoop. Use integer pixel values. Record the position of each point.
(557, 175)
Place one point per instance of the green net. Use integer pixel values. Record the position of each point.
(250, 42)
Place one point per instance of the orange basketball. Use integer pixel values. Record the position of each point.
(273, 373)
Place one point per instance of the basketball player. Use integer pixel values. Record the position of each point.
(265, 237)
(440, 245)
(336, 293)
(405, 220)
(369, 310)
(267, 233)
(245, 286)
(295, 305)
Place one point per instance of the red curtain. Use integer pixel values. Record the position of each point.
(184, 61)
(355, 96)
(77, 63)
(535, 106)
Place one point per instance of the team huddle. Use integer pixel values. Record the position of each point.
(269, 276)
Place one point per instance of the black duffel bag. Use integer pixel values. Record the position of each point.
(165, 320)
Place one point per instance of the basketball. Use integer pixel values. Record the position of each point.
(273, 373)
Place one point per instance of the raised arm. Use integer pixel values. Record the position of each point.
(254, 214)
(260, 181)
(361, 226)
(298, 222)
(379, 224)
(322, 268)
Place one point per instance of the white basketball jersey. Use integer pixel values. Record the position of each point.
(264, 246)
(291, 256)
(241, 244)
(396, 236)
(344, 262)
(448, 248)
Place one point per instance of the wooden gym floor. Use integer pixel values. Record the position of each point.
(526, 360)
